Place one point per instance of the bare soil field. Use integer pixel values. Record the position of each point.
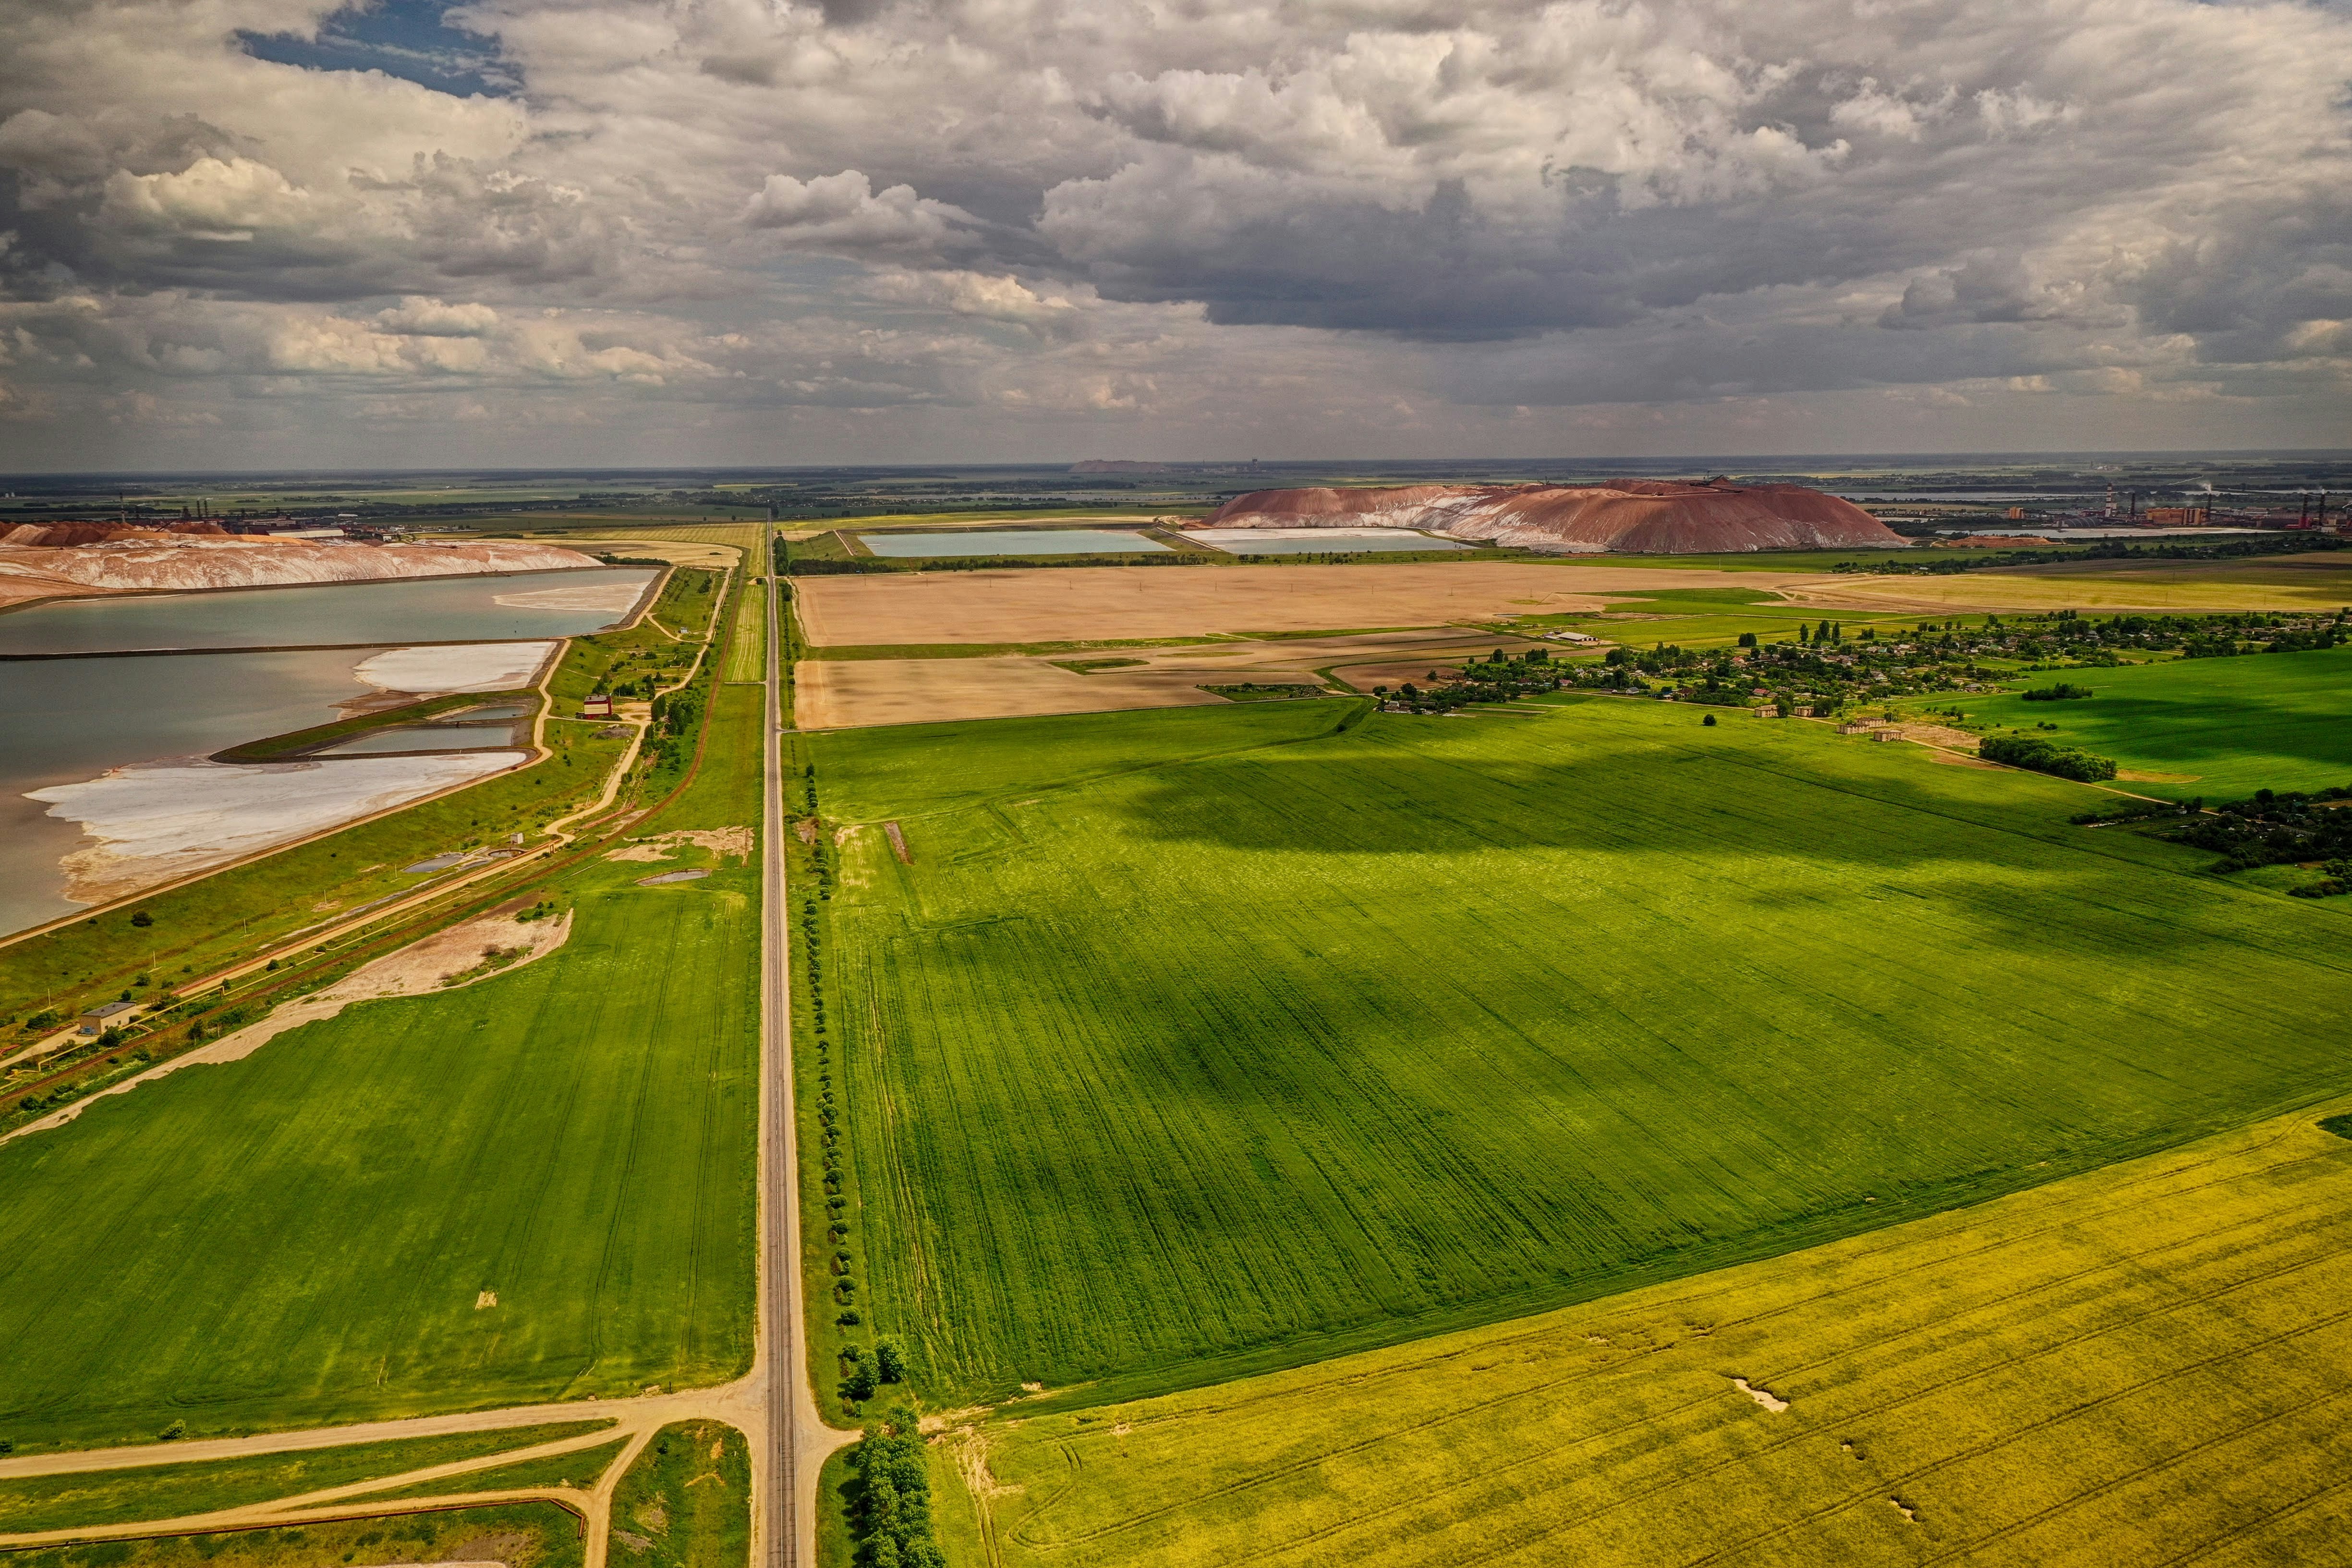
(852, 694)
(1083, 604)
(2319, 582)
(847, 694)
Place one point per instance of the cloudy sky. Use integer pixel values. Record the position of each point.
(274, 233)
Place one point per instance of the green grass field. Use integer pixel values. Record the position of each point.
(2232, 726)
(1158, 1071)
(318, 1220)
(687, 1502)
(2146, 1364)
(31, 1503)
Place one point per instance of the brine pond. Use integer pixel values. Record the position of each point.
(1013, 542)
(117, 745)
(415, 609)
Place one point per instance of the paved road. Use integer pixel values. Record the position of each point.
(780, 1232)
(798, 1441)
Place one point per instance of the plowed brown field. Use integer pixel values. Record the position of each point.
(1080, 604)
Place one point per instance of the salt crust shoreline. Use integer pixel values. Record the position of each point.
(159, 821)
(148, 823)
(461, 667)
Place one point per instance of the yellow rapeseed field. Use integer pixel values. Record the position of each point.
(2149, 1364)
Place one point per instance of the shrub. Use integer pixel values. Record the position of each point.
(2062, 692)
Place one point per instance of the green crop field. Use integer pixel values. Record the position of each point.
(319, 1219)
(2150, 1363)
(747, 645)
(2227, 726)
(1158, 1071)
(30, 1504)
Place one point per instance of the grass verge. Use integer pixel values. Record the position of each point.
(687, 1502)
(579, 1469)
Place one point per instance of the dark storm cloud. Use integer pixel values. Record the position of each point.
(1109, 209)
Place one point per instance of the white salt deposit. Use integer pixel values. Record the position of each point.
(156, 822)
(615, 597)
(461, 667)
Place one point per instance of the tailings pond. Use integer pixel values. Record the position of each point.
(73, 721)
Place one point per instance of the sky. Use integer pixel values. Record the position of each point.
(262, 234)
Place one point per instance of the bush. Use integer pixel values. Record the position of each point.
(2041, 757)
(2062, 692)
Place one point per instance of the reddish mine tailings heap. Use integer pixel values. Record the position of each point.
(1659, 517)
(61, 562)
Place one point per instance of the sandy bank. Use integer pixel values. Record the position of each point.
(158, 822)
(185, 564)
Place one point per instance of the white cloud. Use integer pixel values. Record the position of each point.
(431, 318)
(843, 212)
(1337, 215)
